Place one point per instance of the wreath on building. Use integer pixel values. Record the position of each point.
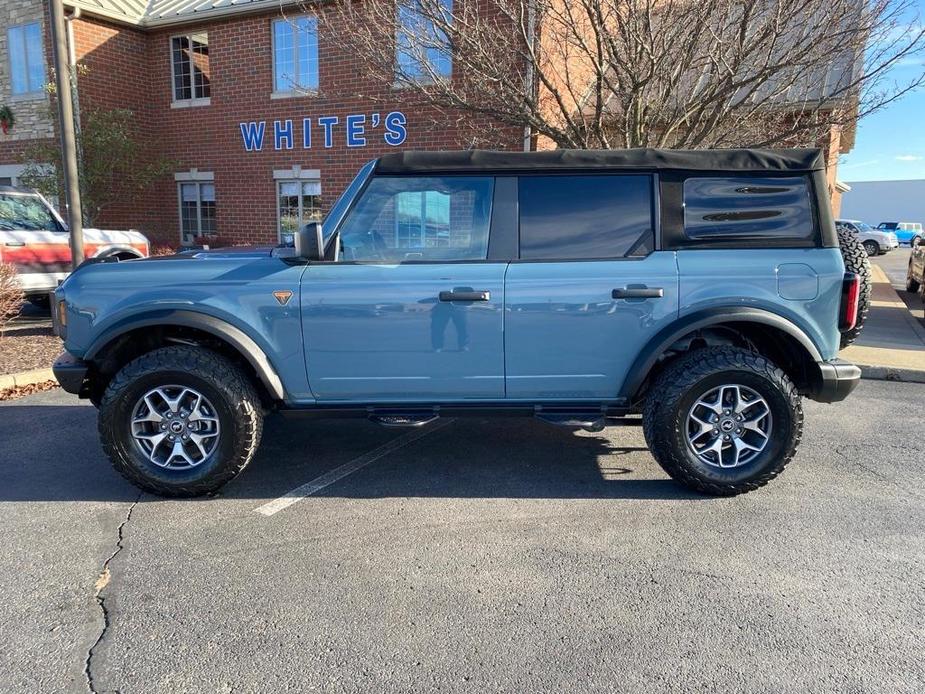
(7, 119)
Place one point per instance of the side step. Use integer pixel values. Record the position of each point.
(411, 419)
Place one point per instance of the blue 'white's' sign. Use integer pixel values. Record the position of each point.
(356, 130)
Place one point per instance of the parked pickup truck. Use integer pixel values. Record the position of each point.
(704, 290)
(35, 240)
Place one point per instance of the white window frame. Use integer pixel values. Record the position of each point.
(194, 101)
(36, 93)
(293, 175)
(294, 91)
(198, 178)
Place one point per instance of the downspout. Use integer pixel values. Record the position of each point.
(531, 77)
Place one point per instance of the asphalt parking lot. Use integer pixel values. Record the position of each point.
(482, 556)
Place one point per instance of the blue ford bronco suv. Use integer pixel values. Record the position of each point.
(705, 290)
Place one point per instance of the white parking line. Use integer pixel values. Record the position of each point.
(295, 495)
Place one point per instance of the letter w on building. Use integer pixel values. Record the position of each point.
(252, 133)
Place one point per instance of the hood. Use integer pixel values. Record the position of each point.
(232, 253)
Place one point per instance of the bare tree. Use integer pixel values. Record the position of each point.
(639, 73)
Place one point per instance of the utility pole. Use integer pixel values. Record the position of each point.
(66, 128)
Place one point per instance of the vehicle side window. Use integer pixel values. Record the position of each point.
(417, 218)
(585, 217)
(758, 208)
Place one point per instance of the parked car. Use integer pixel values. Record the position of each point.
(704, 290)
(915, 273)
(906, 232)
(875, 241)
(35, 240)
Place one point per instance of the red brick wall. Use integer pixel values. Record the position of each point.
(131, 69)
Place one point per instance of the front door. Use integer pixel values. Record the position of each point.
(413, 310)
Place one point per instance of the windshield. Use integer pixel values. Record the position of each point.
(339, 210)
(863, 226)
(25, 213)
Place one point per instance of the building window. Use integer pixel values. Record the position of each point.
(423, 52)
(27, 63)
(197, 210)
(295, 55)
(191, 73)
(299, 202)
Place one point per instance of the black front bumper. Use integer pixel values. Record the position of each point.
(839, 378)
(70, 372)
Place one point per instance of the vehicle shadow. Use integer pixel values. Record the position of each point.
(52, 453)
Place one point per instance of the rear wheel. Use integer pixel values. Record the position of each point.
(723, 420)
(856, 260)
(180, 421)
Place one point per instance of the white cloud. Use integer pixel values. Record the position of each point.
(909, 157)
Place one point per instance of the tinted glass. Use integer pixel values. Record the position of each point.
(759, 208)
(25, 212)
(412, 218)
(583, 217)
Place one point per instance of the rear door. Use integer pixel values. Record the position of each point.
(589, 289)
(413, 310)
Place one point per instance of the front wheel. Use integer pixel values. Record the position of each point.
(872, 248)
(723, 420)
(180, 421)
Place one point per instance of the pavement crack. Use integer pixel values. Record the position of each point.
(101, 582)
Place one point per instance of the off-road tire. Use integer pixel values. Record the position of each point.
(911, 284)
(856, 261)
(233, 395)
(688, 378)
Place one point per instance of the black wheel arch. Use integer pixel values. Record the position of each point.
(780, 337)
(236, 339)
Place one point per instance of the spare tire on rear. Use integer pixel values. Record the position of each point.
(856, 261)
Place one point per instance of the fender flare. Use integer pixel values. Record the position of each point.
(221, 329)
(704, 319)
(107, 251)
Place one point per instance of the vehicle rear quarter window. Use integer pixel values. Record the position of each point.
(585, 217)
(730, 208)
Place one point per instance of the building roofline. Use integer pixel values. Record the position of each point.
(146, 21)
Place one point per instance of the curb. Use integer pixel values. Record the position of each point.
(26, 378)
(891, 373)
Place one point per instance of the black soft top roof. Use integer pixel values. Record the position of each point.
(753, 160)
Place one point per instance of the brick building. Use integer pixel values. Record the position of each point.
(251, 104)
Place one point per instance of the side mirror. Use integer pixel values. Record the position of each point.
(309, 242)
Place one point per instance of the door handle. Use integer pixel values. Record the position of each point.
(15, 244)
(638, 293)
(465, 296)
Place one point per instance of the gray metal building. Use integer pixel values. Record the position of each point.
(885, 201)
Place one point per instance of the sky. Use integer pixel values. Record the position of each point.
(890, 144)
